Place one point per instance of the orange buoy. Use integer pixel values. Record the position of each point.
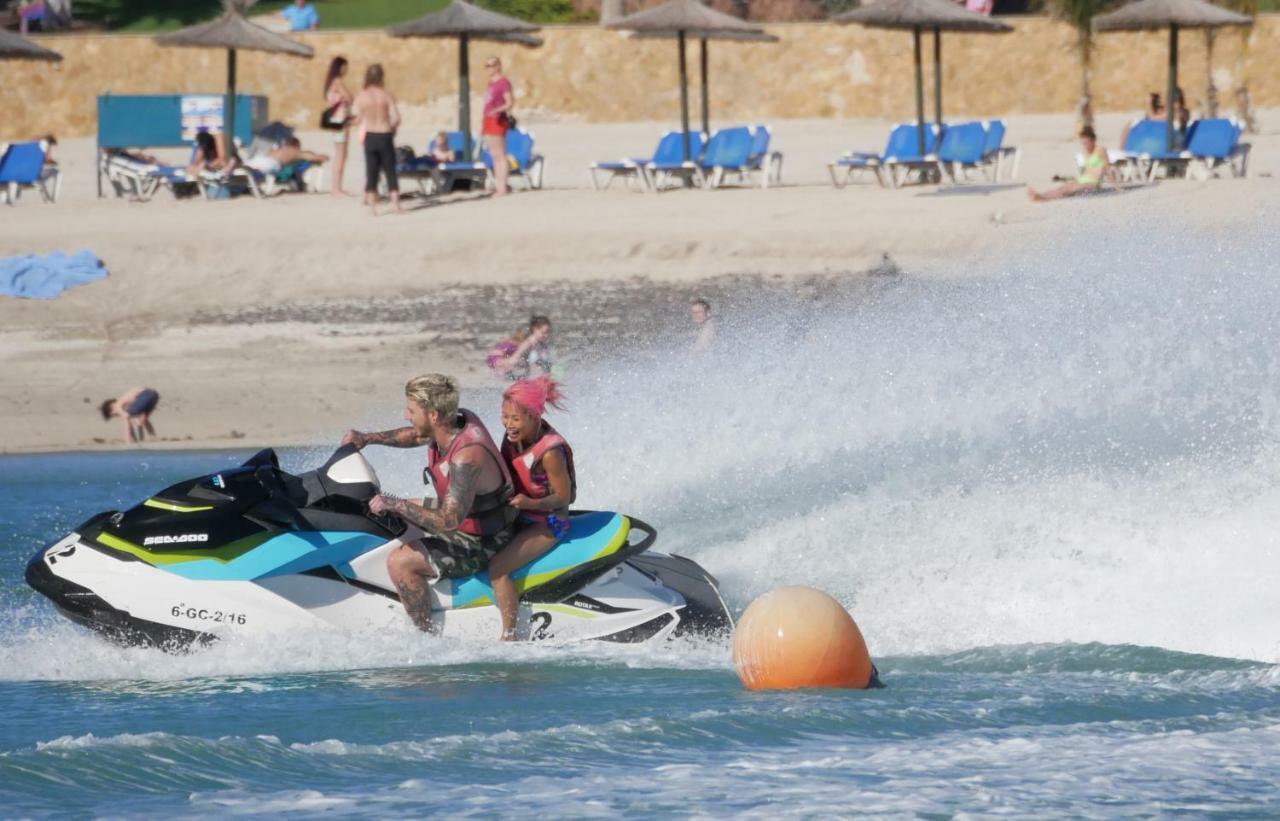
(799, 637)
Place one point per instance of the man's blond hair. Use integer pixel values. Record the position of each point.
(434, 392)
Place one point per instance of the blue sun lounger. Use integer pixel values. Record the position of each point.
(524, 164)
(439, 177)
(767, 163)
(1146, 139)
(743, 152)
(1210, 144)
(727, 152)
(997, 155)
(668, 162)
(901, 147)
(631, 169)
(22, 166)
(963, 149)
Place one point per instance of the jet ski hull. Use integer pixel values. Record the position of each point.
(131, 602)
(254, 551)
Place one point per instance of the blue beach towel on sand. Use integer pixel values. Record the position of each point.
(46, 276)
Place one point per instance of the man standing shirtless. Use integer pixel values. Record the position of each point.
(471, 520)
(377, 118)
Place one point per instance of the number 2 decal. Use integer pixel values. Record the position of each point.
(538, 626)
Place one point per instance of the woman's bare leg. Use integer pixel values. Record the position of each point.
(498, 151)
(1069, 189)
(529, 544)
(339, 164)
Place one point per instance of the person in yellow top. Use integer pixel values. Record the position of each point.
(1096, 169)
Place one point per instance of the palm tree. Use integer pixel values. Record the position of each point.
(1244, 108)
(1079, 15)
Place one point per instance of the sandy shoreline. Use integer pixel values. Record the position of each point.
(258, 321)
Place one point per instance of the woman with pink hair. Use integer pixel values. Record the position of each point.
(541, 466)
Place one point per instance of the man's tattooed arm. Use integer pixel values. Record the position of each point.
(398, 438)
(463, 476)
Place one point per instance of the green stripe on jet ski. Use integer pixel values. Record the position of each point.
(226, 553)
(170, 506)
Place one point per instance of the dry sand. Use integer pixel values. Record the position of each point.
(277, 321)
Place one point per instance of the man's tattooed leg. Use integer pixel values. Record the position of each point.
(417, 603)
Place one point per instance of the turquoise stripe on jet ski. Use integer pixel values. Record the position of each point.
(280, 555)
(591, 535)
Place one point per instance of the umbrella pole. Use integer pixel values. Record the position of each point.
(915, 34)
(229, 105)
(684, 97)
(1173, 85)
(706, 91)
(464, 95)
(937, 77)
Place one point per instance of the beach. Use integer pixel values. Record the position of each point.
(288, 319)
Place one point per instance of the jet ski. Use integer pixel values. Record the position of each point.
(255, 550)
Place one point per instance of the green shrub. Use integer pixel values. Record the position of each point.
(540, 11)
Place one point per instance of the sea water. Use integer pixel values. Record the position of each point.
(1047, 486)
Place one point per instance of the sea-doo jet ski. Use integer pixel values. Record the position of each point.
(254, 549)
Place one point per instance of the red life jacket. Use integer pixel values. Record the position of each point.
(523, 463)
(489, 512)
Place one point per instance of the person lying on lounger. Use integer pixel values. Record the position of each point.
(289, 152)
(1096, 168)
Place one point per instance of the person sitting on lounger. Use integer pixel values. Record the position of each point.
(1095, 169)
(440, 150)
(289, 152)
(210, 155)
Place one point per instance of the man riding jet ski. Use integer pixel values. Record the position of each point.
(256, 550)
(471, 520)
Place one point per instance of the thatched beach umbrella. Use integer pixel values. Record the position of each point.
(1174, 14)
(467, 22)
(682, 19)
(234, 33)
(703, 37)
(916, 16)
(16, 47)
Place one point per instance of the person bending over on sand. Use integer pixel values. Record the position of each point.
(525, 353)
(471, 520)
(1095, 169)
(135, 407)
(541, 465)
(378, 117)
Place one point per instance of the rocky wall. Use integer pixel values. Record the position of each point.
(587, 73)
